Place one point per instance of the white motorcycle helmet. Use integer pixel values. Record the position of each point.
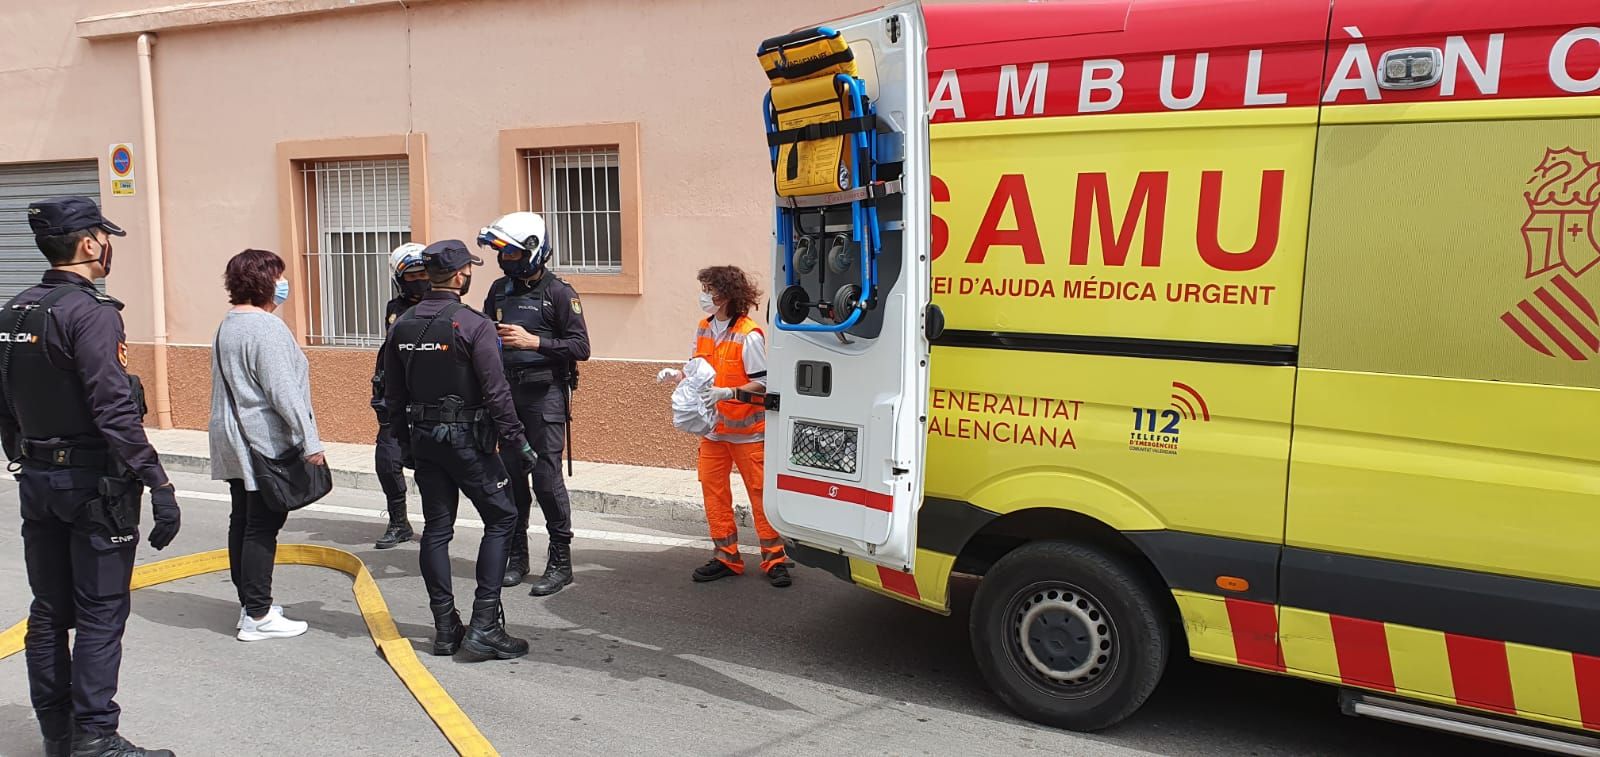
(519, 231)
(404, 258)
(407, 258)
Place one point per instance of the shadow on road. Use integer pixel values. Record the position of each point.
(634, 615)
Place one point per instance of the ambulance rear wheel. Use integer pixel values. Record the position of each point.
(1068, 636)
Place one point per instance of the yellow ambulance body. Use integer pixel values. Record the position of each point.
(1270, 335)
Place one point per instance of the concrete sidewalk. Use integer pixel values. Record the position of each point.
(595, 487)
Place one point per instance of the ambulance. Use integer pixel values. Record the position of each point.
(1259, 331)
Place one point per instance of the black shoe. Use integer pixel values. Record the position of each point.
(712, 571)
(516, 560)
(447, 630)
(398, 533)
(56, 726)
(779, 576)
(557, 571)
(487, 638)
(111, 745)
(516, 570)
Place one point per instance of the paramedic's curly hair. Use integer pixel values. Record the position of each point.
(732, 284)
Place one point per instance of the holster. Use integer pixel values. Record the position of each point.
(484, 437)
(377, 393)
(137, 388)
(117, 510)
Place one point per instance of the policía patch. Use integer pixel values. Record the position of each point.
(392, 317)
(577, 307)
(122, 354)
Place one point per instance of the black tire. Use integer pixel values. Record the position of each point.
(1081, 677)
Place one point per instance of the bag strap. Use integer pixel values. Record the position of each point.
(216, 358)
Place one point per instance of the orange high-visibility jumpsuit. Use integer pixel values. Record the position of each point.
(735, 441)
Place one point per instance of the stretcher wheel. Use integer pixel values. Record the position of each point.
(839, 258)
(793, 306)
(844, 302)
(805, 256)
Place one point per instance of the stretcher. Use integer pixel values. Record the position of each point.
(824, 145)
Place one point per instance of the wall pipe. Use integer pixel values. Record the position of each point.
(152, 200)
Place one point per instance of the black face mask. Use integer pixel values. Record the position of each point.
(519, 268)
(104, 260)
(413, 290)
(466, 284)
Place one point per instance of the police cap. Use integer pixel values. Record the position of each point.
(448, 256)
(59, 216)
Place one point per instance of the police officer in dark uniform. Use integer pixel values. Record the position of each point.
(544, 336)
(449, 403)
(72, 425)
(411, 282)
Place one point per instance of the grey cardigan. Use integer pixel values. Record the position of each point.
(271, 381)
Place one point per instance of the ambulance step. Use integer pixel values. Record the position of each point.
(1517, 734)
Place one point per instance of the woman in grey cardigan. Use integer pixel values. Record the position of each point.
(263, 365)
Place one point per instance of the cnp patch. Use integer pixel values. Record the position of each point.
(393, 317)
(577, 307)
(122, 354)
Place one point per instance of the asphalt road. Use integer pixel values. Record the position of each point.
(632, 659)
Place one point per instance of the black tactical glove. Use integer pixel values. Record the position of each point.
(528, 457)
(164, 505)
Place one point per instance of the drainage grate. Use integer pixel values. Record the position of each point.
(832, 448)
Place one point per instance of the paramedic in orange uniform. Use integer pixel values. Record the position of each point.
(731, 341)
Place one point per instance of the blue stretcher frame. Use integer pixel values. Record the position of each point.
(864, 227)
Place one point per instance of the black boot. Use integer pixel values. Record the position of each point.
(516, 559)
(398, 533)
(487, 638)
(557, 571)
(111, 745)
(447, 630)
(56, 726)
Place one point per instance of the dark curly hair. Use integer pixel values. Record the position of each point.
(251, 276)
(733, 285)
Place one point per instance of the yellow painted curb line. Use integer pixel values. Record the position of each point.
(396, 649)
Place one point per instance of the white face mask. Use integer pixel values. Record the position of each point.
(706, 304)
(280, 293)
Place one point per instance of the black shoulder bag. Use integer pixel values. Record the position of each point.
(288, 482)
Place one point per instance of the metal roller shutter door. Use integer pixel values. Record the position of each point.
(21, 265)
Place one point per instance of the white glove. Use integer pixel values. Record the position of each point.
(669, 375)
(711, 395)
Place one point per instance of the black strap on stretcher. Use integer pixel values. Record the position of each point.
(874, 191)
(805, 69)
(818, 131)
(823, 130)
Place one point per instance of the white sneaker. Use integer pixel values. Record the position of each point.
(275, 608)
(273, 626)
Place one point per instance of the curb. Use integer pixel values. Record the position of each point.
(583, 499)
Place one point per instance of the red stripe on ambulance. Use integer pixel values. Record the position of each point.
(1481, 673)
(1255, 634)
(1586, 670)
(1363, 650)
(836, 492)
(903, 584)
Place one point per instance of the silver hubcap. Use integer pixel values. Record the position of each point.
(1063, 635)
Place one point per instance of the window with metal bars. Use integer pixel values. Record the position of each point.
(578, 191)
(357, 211)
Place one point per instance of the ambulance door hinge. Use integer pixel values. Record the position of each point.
(771, 402)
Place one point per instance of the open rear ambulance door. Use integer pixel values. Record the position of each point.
(848, 351)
